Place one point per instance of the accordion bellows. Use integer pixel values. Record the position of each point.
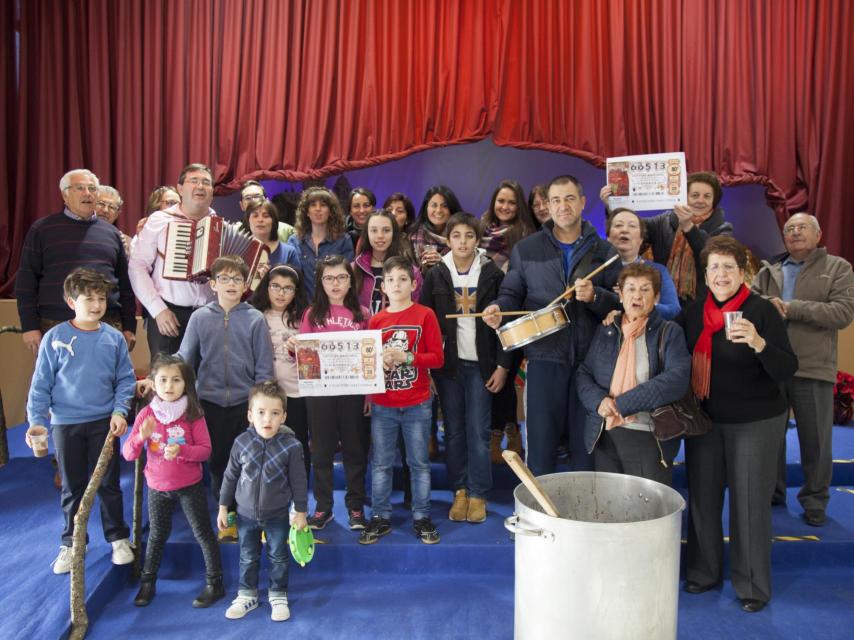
(192, 247)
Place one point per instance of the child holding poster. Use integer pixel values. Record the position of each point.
(332, 418)
(412, 344)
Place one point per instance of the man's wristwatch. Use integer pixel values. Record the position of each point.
(410, 358)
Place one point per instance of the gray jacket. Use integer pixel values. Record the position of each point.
(263, 476)
(823, 304)
(230, 352)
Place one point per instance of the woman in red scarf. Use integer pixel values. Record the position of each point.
(622, 380)
(737, 378)
(677, 237)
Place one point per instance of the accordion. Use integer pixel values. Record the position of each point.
(192, 247)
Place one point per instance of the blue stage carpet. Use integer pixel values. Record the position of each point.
(398, 588)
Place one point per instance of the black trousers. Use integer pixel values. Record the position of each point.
(157, 342)
(333, 419)
(812, 403)
(742, 457)
(224, 425)
(77, 449)
(636, 453)
(504, 404)
(194, 504)
(297, 421)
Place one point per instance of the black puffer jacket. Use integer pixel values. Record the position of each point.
(438, 294)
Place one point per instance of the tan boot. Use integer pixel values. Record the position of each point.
(460, 507)
(495, 447)
(477, 510)
(514, 439)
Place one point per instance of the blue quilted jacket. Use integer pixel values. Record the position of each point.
(593, 379)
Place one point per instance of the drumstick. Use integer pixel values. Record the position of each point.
(480, 315)
(569, 290)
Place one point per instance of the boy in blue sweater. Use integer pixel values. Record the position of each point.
(228, 344)
(85, 380)
(265, 473)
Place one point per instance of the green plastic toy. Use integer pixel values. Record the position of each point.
(301, 542)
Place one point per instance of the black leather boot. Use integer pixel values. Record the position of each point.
(212, 592)
(146, 591)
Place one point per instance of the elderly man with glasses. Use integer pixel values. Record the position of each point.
(108, 207)
(170, 302)
(58, 244)
(814, 293)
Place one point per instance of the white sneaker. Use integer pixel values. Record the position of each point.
(122, 551)
(240, 606)
(280, 608)
(62, 564)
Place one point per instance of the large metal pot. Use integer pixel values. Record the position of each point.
(607, 568)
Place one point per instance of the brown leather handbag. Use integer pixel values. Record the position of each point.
(685, 417)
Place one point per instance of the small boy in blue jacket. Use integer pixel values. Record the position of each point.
(227, 343)
(265, 472)
(85, 380)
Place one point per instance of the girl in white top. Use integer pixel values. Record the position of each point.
(281, 297)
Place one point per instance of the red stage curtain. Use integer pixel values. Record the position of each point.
(758, 90)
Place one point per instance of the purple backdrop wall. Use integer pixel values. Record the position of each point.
(473, 170)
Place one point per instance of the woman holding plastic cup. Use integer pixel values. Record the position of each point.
(736, 374)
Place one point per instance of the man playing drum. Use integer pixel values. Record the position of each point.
(542, 267)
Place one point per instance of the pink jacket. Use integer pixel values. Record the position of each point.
(363, 263)
(184, 470)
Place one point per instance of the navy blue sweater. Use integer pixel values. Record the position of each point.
(53, 248)
(536, 277)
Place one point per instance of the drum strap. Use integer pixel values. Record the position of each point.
(583, 266)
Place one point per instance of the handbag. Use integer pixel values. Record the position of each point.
(685, 417)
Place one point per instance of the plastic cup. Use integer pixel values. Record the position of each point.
(729, 318)
(38, 438)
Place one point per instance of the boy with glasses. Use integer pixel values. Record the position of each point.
(228, 344)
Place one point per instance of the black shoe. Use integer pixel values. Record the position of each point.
(752, 606)
(320, 519)
(356, 520)
(696, 587)
(145, 594)
(426, 530)
(376, 529)
(815, 517)
(212, 592)
(778, 501)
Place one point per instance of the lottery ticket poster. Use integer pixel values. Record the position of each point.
(340, 363)
(648, 183)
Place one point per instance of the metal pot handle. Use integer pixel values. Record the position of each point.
(511, 523)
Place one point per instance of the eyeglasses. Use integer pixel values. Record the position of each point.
(341, 278)
(107, 205)
(278, 288)
(228, 279)
(80, 188)
(253, 197)
(795, 228)
(199, 181)
(726, 268)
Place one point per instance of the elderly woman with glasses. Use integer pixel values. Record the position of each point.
(623, 378)
(740, 356)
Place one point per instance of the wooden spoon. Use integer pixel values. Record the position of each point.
(524, 473)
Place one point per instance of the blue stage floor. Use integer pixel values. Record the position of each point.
(398, 588)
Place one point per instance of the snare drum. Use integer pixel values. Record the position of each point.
(532, 327)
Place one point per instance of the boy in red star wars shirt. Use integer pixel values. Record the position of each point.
(412, 344)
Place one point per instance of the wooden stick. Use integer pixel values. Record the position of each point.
(79, 618)
(521, 469)
(480, 315)
(569, 290)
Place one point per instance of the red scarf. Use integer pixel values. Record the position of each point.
(713, 321)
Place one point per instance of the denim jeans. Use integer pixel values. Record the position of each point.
(249, 533)
(414, 423)
(467, 411)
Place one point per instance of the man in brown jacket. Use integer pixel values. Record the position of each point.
(814, 292)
